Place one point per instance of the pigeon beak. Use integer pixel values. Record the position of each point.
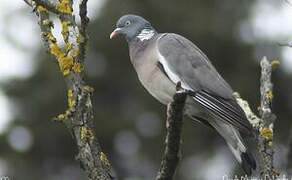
(115, 33)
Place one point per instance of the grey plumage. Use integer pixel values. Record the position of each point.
(195, 70)
(163, 60)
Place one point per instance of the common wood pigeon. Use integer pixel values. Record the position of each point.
(161, 60)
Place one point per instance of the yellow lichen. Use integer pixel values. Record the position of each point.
(41, 8)
(77, 68)
(68, 47)
(66, 63)
(86, 133)
(65, 6)
(50, 37)
(75, 52)
(71, 101)
(47, 22)
(104, 159)
(267, 133)
(88, 89)
(65, 60)
(275, 64)
(65, 30)
(63, 117)
(56, 50)
(270, 95)
(80, 38)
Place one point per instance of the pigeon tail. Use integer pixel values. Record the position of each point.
(234, 141)
(243, 156)
(248, 162)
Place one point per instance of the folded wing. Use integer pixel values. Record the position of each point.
(183, 61)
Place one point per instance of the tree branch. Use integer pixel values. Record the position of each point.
(50, 6)
(264, 125)
(265, 139)
(78, 118)
(171, 154)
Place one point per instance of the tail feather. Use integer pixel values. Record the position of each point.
(236, 145)
(248, 162)
(245, 158)
(240, 151)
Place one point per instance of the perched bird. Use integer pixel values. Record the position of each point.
(162, 60)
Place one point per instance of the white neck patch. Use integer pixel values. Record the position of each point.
(146, 34)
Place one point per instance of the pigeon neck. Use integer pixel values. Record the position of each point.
(146, 34)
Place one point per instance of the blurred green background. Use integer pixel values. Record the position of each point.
(130, 123)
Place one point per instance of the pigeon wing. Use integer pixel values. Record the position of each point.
(183, 61)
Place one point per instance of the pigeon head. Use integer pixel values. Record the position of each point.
(132, 27)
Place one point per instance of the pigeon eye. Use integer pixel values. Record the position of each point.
(127, 23)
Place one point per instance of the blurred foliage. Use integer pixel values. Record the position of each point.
(121, 104)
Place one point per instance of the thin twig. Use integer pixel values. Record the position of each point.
(83, 26)
(171, 154)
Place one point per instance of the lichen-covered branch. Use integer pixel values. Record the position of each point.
(78, 118)
(171, 154)
(264, 124)
(252, 118)
(265, 139)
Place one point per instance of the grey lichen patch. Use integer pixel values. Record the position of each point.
(252, 118)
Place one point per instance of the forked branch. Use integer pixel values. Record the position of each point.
(78, 118)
